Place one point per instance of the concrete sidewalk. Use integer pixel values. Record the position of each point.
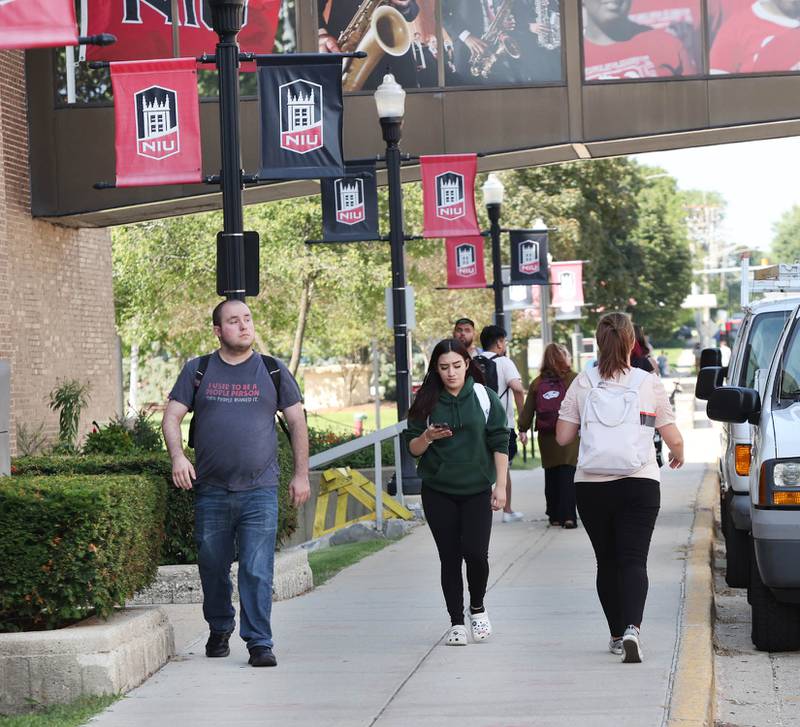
(364, 649)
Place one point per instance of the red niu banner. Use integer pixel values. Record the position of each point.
(567, 280)
(448, 189)
(465, 262)
(144, 28)
(157, 122)
(37, 23)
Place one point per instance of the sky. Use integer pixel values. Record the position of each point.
(758, 179)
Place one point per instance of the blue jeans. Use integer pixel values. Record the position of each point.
(222, 519)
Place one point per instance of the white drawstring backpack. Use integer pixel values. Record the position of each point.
(616, 436)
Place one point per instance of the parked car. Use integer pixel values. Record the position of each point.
(752, 352)
(770, 406)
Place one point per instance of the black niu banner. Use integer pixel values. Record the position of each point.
(350, 205)
(528, 257)
(301, 118)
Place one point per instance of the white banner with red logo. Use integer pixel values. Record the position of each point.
(448, 192)
(465, 267)
(567, 288)
(157, 114)
(37, 23)
(144, 28)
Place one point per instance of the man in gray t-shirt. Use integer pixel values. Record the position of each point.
(235, 476)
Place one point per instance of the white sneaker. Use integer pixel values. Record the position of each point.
(615, 646)
(632, 649)
(512, 517)
(457, 636)
(481, 626)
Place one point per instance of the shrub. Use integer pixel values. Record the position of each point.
(112, 439)
(146, 433)
(31, 440)
(73, 545)
(178, 546)
(69, 399)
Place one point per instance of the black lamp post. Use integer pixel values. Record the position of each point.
(493, 193)
(390, 100)
(227, 17)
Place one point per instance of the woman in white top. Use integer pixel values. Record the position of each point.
(617, 479)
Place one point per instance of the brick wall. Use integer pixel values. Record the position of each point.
(56, 298)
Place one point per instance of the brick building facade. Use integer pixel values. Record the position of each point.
(56, 298)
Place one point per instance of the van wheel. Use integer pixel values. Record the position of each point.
(776, 625)
(737, 552)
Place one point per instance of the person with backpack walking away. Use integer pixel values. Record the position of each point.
(457, 429)
(545, 396)
(235, 394)
(617, 480)
(502, 376)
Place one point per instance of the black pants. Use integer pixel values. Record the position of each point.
(619, 518)
(461, 526)
(559, 493)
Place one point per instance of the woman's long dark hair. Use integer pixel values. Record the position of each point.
(432, 386)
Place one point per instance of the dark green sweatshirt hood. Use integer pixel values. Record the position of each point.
(463, 463)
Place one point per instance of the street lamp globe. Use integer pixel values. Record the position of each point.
(390, 98)
(493, 190)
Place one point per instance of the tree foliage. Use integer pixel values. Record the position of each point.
(786, 239)
(631, 231)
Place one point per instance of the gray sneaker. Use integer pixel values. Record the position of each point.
(631, 648)
(615, 646)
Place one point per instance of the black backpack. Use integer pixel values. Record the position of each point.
(274, 373)
(489, 368)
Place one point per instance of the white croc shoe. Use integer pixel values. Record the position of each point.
(457, 636)
(481, 626)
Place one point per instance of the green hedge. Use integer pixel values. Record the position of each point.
(179, 546)
(71, 545)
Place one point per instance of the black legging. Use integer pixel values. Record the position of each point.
(461, 526)
(619, 518)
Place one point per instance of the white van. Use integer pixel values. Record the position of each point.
(770, 408)
(753, 350)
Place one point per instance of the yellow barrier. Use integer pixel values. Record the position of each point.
(344, 483)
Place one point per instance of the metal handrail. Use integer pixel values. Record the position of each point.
(375, 439)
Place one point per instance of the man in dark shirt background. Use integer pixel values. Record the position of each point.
(236, 475)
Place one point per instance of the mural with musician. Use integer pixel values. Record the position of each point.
(754, 37)
(398, 35)
(501, 42)
(635, 39)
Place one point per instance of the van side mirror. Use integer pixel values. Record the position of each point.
(710, 357)
(708, 379)
(734, 404)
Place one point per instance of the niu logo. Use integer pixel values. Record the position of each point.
(157, 122)
(301, 116)
(529, 257)
(550, 395)
(450, 196)
(466, 260)
(350, 200)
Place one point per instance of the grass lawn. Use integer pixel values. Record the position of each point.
(327, 562)
(64, 715)
(341, 420)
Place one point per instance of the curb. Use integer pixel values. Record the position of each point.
(181, 583)
(692, 700)
(95, 656)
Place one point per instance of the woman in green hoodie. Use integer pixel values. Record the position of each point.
(458, 429)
